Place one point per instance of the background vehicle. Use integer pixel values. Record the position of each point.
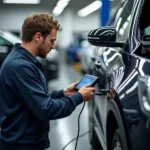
(73, 50)
(86, 55)
(116, 118)
(7, 41)
(50, 64)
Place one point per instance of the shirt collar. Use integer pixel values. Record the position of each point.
(26, 53)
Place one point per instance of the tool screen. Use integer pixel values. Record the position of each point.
(87, 79)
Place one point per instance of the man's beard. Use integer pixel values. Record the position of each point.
(42, 52)
(42, 55)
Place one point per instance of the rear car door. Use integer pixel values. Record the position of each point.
(136, 60)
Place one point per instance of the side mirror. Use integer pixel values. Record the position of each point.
(105, 37)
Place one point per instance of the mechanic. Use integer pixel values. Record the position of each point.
(25, 104)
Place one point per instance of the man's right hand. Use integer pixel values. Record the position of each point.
(87, 92)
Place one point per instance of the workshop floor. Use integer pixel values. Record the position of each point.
(64, 130)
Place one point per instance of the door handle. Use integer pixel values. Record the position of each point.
(101, 92)
(101, 67)
(97, 64)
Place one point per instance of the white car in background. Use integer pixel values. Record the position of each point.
(86, 55)
(50, 64)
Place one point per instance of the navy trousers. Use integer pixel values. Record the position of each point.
(4, 146)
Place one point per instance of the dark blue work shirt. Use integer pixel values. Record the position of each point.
(25, 104)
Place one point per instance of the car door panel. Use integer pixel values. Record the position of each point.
(135, 66)
(111, 60)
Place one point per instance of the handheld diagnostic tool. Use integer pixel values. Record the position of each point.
(87, 79)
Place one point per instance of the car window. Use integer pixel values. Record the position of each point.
(122, 25)
(144, 30)
(115, 14)
(144, 22)
(4, 42)
(10, 38)
(146, 34)
(147, 31)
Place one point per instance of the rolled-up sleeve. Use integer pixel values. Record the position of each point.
(32, 93)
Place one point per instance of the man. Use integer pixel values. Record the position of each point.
(25, 104)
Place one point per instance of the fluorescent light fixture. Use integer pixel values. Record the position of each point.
(60, 6)
(90, 8)
(57, 11)
(21, 1)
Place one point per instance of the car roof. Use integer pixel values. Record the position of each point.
(9, 37)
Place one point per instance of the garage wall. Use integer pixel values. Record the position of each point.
(86, 23)
(72, 24)
(12, 16)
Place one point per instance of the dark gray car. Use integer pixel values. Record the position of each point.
(123, 67)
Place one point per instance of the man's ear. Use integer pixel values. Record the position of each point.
(38, 37)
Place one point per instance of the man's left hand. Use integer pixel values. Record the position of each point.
(70, 89)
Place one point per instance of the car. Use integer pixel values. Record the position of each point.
(50, 63)
(7, 41)
(119, 115)
(73, 50)
(85, 55)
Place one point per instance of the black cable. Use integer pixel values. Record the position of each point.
(79, 126)
(76, 138)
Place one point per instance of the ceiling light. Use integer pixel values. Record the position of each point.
(90, 8)
(57, 11)
(21, 1)
(60, 6)
(62, 3)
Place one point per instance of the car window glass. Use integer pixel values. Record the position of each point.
(147, 31)
(144, 30)
(144, 22)
(4, 42)
(147, 34)
(115, 13)
(122, 25)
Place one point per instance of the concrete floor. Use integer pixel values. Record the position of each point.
(64, 130)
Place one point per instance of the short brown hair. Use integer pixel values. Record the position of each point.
(42, 23)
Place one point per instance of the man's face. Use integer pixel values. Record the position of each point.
(47, 44)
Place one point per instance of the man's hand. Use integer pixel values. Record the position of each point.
(70, 89)
(87, 92)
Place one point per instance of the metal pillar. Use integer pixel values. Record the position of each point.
(104, 12)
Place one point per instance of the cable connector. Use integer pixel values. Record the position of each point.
(101, 92)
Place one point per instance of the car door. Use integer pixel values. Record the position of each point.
(113, 69)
